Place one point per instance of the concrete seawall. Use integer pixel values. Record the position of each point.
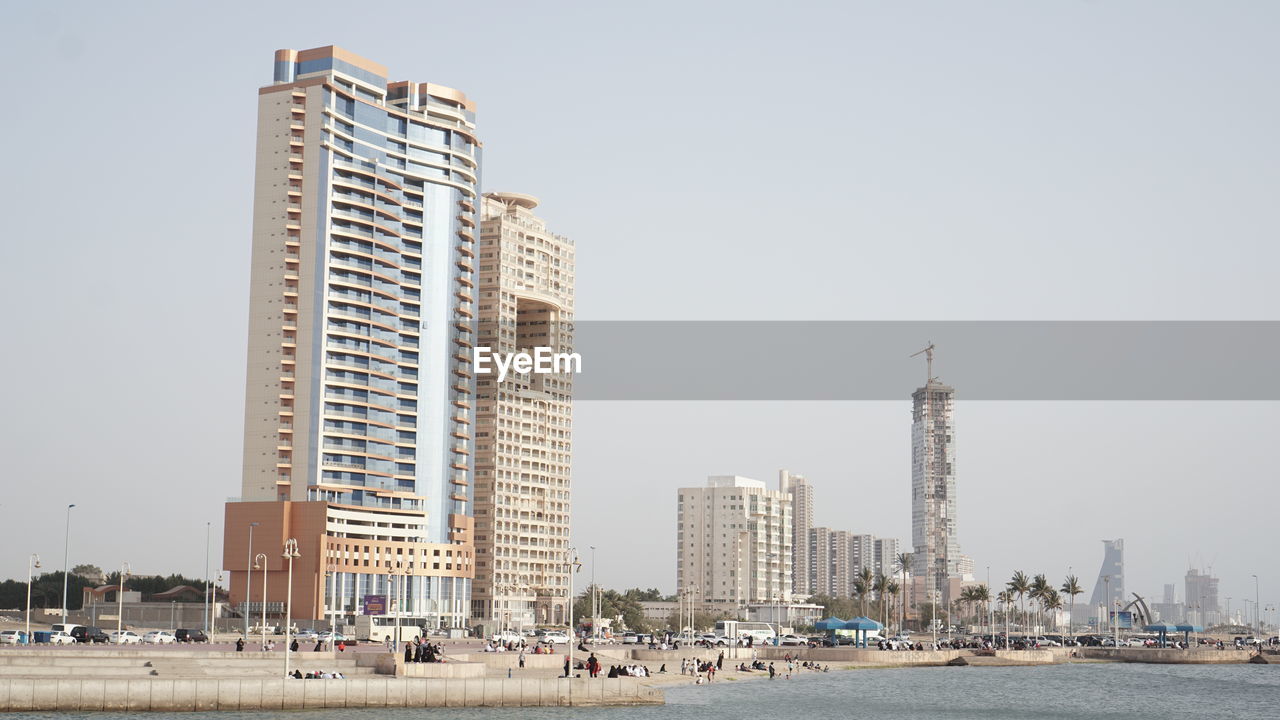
(159, 695)
(1167, 656)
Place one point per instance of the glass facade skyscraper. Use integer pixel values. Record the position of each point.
(359, 400)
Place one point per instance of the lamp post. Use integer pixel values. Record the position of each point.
(396, 570)
(333, 598)
(66, 554)
(32, 564)
(572, 565)
(1257, 607)
(124, 572)
(205, 619)
(595, 601)
(248, 577)
(290, 552)
(260, 563)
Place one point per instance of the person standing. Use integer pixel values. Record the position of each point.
(239, 644)
(772, 671)
(566, 666)
(720, 661)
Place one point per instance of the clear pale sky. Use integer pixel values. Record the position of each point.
(742, 161)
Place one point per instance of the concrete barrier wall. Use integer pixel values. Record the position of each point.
(1173, 656)
(861, 656)
(388, 664)
(148, 695)
(505, 660)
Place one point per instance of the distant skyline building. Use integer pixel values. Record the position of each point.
(1201, 598)
(733, 542)
(357, 428)
(801, 494)
(936, 556)
(524, 422)
(839, 557)
(1113, 568)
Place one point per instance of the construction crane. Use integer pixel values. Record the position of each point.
(928, 356)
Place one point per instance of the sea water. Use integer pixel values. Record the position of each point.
(1071, 691)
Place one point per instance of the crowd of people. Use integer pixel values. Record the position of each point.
(317, 675)
(421, 651)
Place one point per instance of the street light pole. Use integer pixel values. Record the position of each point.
(260, 560)
(595, 606)
(1257, 607)
(248, 576)
(333, 598)
(205, 618)
(571, 566)
(32, 564)
(66, 554)
(124, 571)
(290, 552)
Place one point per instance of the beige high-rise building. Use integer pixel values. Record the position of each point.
(801, 493)
(523, 422)
(734, 542)
(358, 389)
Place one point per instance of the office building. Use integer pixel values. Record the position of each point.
(1201, 598)
(733, 543)
(801, 494)
(523, 421)
(839, 558)
(1110, 578)
(358, 405)
(936, 555)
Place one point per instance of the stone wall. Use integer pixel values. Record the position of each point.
(389, 664)
(158, 695)
(1166, 655)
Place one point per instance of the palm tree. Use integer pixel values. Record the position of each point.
(1005, 598)
(867, 578)
(1071, 587)
(982, 595)
(891, 588)
(861, 589)
(881, 582)
(1019, 586)
(1052, 601)
(904, 562)
(1039, 586)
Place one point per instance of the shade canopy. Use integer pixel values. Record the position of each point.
(863, 623)
(1188, 628)
(1161, 627)
(831, 623)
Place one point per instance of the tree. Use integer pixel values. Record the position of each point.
(1051, 601)
(1039, 586)
(866, 579)
(881, 585)
(981, 595)
(1019, 586)
(93, 572)
(1071, 587)
(614, 604)
(841, 607)
(891, 588)
(903, 561)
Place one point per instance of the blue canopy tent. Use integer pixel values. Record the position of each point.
(1163, 628)
(1186, 631)
(830, 624)
(860, 627)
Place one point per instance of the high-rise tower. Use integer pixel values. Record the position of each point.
(801, 493)
(358, 406)
(936, 555)
(524, 421)
(1110, 577)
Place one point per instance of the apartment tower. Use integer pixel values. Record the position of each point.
(801, 494)
(936, 556)
(1110, 577)
(733, 543)
(358, 406)
(524, 421)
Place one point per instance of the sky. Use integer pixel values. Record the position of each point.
(712, 161)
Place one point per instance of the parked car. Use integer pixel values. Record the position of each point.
(336, 637)
(1044, 641)
(60, 637)
(307, 634)
(260, 629)
(507, 636)
(89, 634)
(159, 637)
(184, 635)
(791, 640)
(125, 637)
(629, 638)
(11, 637)
(556, 638)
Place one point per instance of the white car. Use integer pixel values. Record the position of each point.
(159, 637)
(792, 640)
(125, 637)
(507, 636)
(61, 638)
(556, 638)
(11, 637)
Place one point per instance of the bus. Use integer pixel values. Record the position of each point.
(379, 628)
(762, 632)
